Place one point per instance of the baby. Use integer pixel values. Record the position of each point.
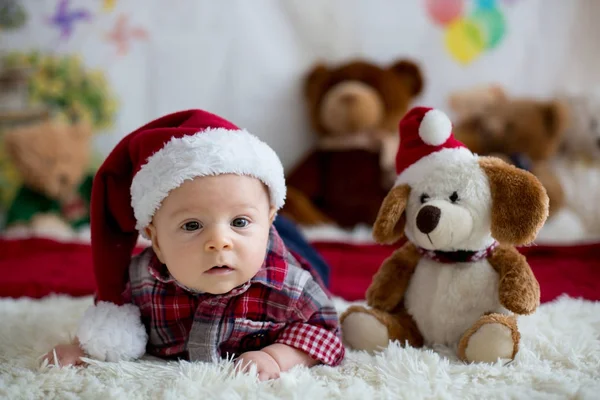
(217, 281)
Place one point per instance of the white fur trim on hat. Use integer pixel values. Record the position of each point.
(109, 332)
(435, 128)
(418, 171)
(207, 153)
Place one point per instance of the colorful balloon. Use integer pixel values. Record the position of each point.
(464, 40)
(492, 23)
(485, 4)
(444, 11)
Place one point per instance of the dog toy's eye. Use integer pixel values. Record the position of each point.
(424, 198)
(454, 197)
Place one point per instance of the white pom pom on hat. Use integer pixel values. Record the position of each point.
(435, 128)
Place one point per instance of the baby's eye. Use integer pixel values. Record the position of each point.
(240, 223)
(191, 226)
(424, 197)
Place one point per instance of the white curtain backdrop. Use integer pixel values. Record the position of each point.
(244, 59)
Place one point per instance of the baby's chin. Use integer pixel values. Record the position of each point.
(218, 282)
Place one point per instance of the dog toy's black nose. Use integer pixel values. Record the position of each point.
(428, 219)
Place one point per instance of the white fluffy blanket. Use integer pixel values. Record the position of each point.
(559, 359)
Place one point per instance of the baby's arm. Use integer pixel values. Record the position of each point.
(274, 359)
(286, 356)
(66, 354)
(316, 321)
(106, 332)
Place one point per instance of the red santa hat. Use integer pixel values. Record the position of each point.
(129, 188)
(152, 161)
(426, 143)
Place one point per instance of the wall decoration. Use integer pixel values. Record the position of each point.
(470, 27)
(123, 34)
(64, 18)
(12, 14)
(108, 5)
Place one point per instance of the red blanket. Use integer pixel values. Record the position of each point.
(574, 270)
(38, 267)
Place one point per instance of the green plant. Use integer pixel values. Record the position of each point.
(66, 87)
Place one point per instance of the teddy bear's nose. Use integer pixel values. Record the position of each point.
(428, 219)
(63, 180)
(347, 98)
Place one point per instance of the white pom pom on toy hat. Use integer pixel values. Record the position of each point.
(435, 128)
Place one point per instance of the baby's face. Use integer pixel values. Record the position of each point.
(212, 232)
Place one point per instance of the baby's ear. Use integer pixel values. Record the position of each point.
(272, 214)
(150, 232)
(389, 226)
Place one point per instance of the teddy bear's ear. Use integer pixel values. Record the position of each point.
(314, 81)
(555, 115)
(519, 202)
(410, 72)
(389, 225)
(81, 130)
(14, 143)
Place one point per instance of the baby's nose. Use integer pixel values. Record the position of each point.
(217, 242)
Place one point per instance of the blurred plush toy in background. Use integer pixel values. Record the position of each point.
(354, 108)
(52, 161)
(34, 85)
(524, 132)
(577, 166)
(474, 101)
(582, 137)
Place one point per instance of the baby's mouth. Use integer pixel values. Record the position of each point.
(219, 270)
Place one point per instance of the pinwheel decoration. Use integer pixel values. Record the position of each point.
(123, 34)
(64, 18)
(108, 5)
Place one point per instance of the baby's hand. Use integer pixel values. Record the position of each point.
(66, 354)
(266, 366)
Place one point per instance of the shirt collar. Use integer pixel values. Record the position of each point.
(271, 274)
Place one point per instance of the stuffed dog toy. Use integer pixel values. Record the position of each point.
(457, 280)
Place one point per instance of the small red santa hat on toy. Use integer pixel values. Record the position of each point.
(426, 144)
(128, 189)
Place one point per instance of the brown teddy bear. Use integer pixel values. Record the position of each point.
(52, 160)
(581, 140)
(354, 109)
(458, 280)
(524, 132)
(475, 101)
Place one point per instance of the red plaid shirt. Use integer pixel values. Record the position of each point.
(283, 303)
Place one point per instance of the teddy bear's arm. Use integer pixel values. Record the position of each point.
(390, 282)
(519, 290)
(306, 176)
(26, 204)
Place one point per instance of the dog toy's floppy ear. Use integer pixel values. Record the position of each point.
(389, 225)
(519, 202)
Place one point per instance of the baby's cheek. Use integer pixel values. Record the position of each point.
(255, 254)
